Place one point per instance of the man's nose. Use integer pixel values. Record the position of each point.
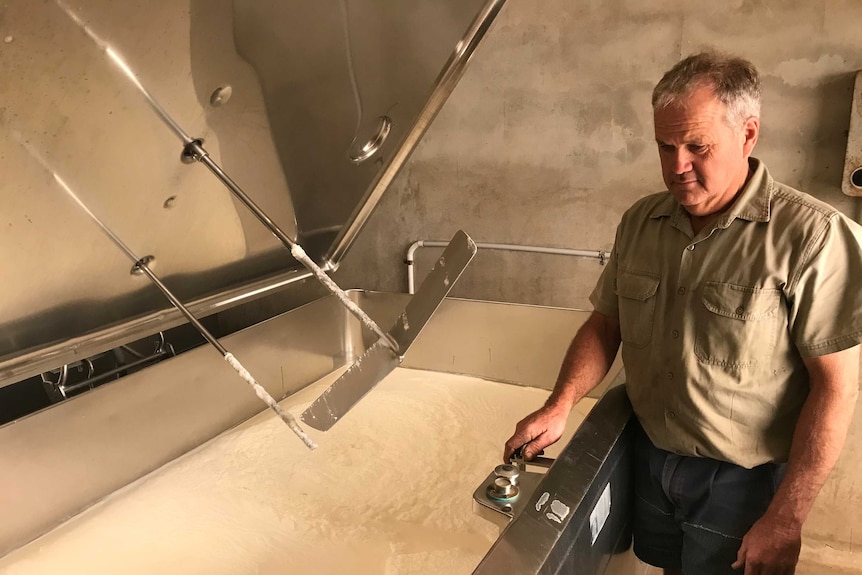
(681, 162)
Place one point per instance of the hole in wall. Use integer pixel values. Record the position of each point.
(856, 178)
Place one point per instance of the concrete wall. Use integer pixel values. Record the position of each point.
(548, 138)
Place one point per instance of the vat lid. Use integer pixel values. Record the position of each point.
(310, 107)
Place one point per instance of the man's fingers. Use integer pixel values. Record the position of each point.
(740, 558)
(535, 447)
(535, 432)
(520, 438)
(510, 448)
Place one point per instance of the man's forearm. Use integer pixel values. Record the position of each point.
(587, 360)
(818, 438)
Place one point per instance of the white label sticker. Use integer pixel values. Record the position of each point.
(559, 508)
(542, 500)
(600, 514)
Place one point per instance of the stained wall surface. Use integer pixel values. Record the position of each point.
(548, 138)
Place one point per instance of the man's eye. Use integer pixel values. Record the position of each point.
(698, 149)
(665, 147)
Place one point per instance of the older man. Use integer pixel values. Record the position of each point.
(736, 301)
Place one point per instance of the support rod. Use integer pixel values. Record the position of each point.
(410, 259)
(195, 151)
(141, 265)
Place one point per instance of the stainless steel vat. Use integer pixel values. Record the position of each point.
(102, 440)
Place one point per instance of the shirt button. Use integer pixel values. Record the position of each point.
(681, 291)
(675, 334)
(669, 375)
(690, 248)
(740, 310)
(670, 415)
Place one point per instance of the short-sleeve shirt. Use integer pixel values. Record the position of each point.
(715, 325)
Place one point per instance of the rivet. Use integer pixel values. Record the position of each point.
(221, 95)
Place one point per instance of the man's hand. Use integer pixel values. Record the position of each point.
(771, 547)
(772, 544)
(539, 429)
(587, 360)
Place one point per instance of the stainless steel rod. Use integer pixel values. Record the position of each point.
(141, 265)
(196, 151)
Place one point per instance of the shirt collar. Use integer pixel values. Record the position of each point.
(753, 204)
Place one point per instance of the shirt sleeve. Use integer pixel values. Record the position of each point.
(604, 296)
(826, 307)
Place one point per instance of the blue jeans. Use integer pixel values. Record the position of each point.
(690, 513)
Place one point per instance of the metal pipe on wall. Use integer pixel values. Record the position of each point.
(410, 260)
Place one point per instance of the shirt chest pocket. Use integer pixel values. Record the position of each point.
(737, 326)
(636, 295)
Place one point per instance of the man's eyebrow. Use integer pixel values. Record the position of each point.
(698, 141)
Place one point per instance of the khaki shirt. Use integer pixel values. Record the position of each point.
(715, 325)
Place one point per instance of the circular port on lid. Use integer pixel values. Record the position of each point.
(360, 152)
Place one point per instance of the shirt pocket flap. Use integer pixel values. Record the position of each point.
(634, 285)
(741, 302)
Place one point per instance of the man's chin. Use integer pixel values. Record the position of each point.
(689, 198)
(696, 211)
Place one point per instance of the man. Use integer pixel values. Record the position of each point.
(736, 302)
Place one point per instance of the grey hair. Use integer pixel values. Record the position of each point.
(735, 81)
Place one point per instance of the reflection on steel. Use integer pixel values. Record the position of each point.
(141, 265)
(37, 361)
(127, 71)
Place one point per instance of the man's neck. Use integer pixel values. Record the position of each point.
(700, 222)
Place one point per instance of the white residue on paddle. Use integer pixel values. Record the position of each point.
(268, 399)
(300, 255)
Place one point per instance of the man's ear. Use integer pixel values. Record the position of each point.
(750, 132)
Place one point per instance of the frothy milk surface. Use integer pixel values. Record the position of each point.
(388, 491)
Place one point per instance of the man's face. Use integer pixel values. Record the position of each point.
(704, 161)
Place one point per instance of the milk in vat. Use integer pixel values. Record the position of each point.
(388, 492)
